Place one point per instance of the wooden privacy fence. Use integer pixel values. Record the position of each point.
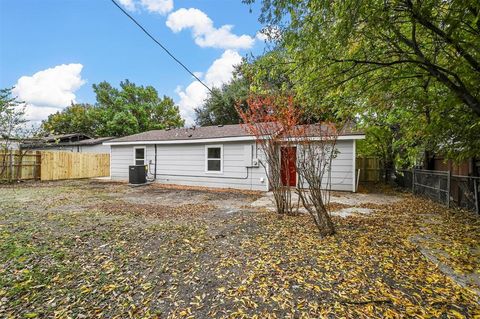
(369, 168)
(19, 165)
(48, 166)
(68, 165)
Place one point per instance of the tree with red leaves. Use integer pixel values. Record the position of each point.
(270, 119)
(275, 122)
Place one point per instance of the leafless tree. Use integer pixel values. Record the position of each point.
(316, 150)
(13, 132)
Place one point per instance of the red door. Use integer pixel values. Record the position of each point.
(289, 166)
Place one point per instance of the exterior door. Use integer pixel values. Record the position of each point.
(289, 166)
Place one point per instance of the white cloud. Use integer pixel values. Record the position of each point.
(158, 6)
(190, 99)
(270, 33)
(195, 93)
(49, 90)
(154, 6)
(36, 114)
(203, 31)
(221, 69)
(128, 4)
(261, 36)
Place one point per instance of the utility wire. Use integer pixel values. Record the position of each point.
(161, 45)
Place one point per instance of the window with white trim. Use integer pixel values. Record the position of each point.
(214, 159)
(139, 154)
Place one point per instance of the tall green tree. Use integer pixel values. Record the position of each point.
(133, 109)
(219, 107)
(76, 118)
(128, 110)
(13, 131)
(253, 75)
(12, 117)
(343, 40)
(414, 64)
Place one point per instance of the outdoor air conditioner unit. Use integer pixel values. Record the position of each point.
(137, 174)
(255, 162)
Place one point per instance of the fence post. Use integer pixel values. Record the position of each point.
(449, 178)
(19, 168)
(37, 167)
(475, 189)
(413, 181)
(11, 166)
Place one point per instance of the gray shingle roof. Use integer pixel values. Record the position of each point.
(65, 137)
(40, 143)
(204, 132)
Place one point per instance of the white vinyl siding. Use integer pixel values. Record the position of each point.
(99, 148)
(185, 164)
(342, 166)
(341, 177)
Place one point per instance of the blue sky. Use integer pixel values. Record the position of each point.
(53, 51)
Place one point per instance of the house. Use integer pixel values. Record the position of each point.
(10, 144)
(215, 156)
(76, 142)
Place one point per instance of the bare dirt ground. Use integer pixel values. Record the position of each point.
(343, 204)
(84, 249)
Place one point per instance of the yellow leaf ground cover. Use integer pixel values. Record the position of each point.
(88, 250)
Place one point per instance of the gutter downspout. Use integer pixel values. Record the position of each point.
(155, 173)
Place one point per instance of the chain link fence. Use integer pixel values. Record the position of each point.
(442, 187)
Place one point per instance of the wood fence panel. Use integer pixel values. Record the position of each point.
(16, 165)
(370, 170)
(68, 165)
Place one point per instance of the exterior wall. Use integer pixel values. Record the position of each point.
(57, 149)
(12, 145)
(99, 148)
(184, 164)
(342, 167)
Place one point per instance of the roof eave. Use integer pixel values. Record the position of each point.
(213, 140)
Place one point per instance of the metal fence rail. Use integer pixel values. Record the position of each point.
(443, 187)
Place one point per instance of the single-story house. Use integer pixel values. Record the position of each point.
(10, 144)
(223, 156)
(75, 142)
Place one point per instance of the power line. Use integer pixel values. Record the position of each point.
(161, 45)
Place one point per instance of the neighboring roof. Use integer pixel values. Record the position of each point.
(65, 137)
(42, 144)
(92, 141)
(198, 133)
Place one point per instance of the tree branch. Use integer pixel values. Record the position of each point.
(448, 39)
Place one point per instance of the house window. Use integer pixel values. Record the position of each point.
(139, 153)
(214, 159)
